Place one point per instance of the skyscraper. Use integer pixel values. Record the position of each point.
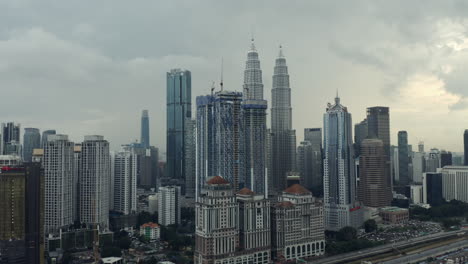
(378, 121)
(304, 165)
(190, 152)
(22, 214)
(95, 181)
(220, 146)
(254, 118)
(45, 137)
(169, 205)
(125, 181)
(58, 173)
(403, 158)
(10, 144)
(179, 108)
(145, 137)
(374, 185)
(314, 136)
(283, 138)
(465, 143)
(31, 140)
(445, 158)
(360, 133)
(339, 175)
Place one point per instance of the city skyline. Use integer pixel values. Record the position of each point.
(98, 60)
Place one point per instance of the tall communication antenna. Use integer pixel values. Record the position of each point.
(221, 84)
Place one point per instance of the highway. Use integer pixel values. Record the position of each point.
(421, 256)
(356, 255)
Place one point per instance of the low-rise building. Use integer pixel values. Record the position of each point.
(150, 230)
(394, 215)
(112, 260)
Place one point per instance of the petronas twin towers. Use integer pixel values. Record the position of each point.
(267, 173)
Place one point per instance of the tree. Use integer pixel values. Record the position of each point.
(370, 225)
(347, 233)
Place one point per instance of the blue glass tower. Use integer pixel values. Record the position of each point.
(145, 138)
(179, 108)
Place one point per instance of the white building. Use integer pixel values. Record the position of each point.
(125, 181)
(417, 196)
(10, 160)
(418, 166)
(150, 230)
(58, 172)
(169, 205)
(153, 203)
(455, 183)
(95, 181)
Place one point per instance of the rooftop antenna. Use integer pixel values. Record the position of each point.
(280, 51)
(212, 88)
(222, 62)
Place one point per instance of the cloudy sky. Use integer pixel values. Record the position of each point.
(90, 67)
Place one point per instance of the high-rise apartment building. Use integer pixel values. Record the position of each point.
(125, 181)
(220, 141)
(10, 143)
(169, 205)
(298, 228)
(304, 160)
(231, 228)
(145, 135)
(179, 108)
(419, 165)
(95, 181)
(403, 158)
(58, 172)
(339, 174)
(465, 146)
(22, 214)
(433, 160)
(375, 189)
(283, 137)
(190, 152)
(455, 183)
(254, 118)
(45, 137)
(31, 140)
(314, 136)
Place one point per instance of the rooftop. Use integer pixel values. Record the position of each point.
(246, 191)
(149, 224)
(297, 189)
(217, 180)
(285, 204)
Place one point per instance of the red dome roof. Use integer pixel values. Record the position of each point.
(297, 189)
(246, 191)
(217, 180)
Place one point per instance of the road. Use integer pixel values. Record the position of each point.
(421, 256)
(355, 255)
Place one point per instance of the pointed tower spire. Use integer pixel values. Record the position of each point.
(222, 71)
(281, 55)
(252, 44)
(337, 98)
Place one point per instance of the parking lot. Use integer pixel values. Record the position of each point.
(400, 232)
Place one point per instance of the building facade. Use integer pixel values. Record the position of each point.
(10, 143)
(179, 108)
(455, 183)
(45, 136)
(360, 133)
(95, 181)
(298, 228)
(314, 136)
(283, 137)
(465, 147)
(169, 205)
(374, 184)
(145, 130)
(339, 175)
(58, 163)
(432, 188)
(190, 152)
(403, 158)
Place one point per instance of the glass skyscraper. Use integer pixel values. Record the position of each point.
(31, 140)
(145, 137)
(179, 108)
(403, 158)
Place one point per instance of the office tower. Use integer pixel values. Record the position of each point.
(375, 189)
(145, 135)
(179, 108)
(314, 136)
(243, 229)
(254, 118)
(339, 175)
(95, 178)
(416, 194)
(432, 188)
(360, 133)
(220, 146)
(254, 224)
(403, 159)
(395, 164)
(31, 140)
(147, 164)
(283, 137)
(125, 181)
(45, 137)
(169, 205)
(421, 147)
(445, 158)
(304, 159)
(298, 229)
(378, 120)
(433, 160)
(76, 182)
(419, 163)
(58, 173)
(268, 159)
(190, 152)
(22, 214)
(465, 145)
(10, 144)
(455, 183)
